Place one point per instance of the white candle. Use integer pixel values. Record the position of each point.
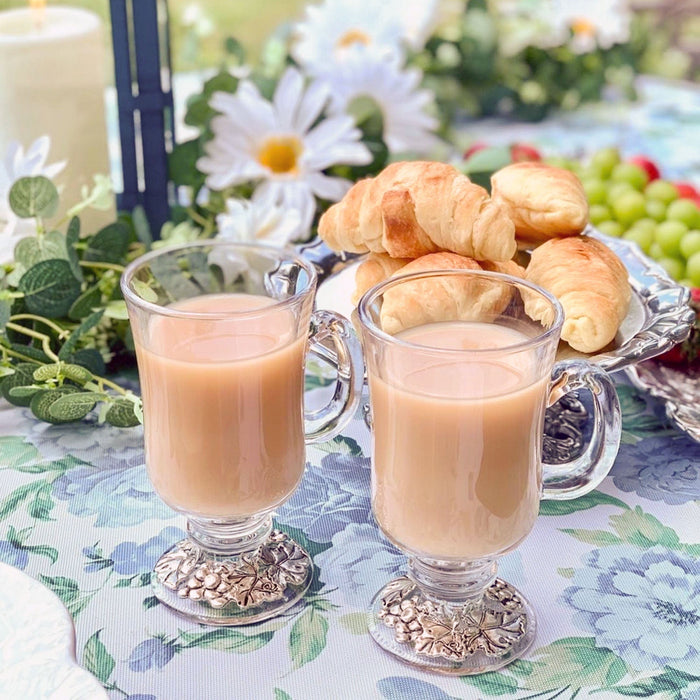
(52, 81)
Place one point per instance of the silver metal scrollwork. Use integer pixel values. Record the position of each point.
(249, 580)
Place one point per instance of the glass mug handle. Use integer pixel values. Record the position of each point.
(332, 338)
(581, 475)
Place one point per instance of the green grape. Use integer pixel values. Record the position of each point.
(596, 191)
(693, 269)
(604, 160)
(647, 224)
(684, 210)
(690, 244)
(616, 190)
(631, 173)
(655, 251)
(656, 209)
(669, 235)
(610, 228)
(629, 207)
(662, 190)
(642, 237)
(599, 213)
(675, 267)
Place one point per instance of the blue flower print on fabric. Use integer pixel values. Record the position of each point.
(407, 688)
(359, 563)
(651, 472)
(642, 604)
(13, 555)
(118, 496)
(153, 653)
(330, 497)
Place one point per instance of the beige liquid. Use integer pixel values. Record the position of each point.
(457, 444)
(223, 406)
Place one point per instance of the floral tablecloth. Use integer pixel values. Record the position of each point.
(614, 576)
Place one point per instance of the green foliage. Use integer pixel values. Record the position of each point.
(307, 638)
(96, 659)
(61, 315)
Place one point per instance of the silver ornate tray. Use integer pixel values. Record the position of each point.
(658, 318)
(680, 390)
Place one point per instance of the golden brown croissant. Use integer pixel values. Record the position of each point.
(591, 283)
(434, 299)
(375, 268)
(542, 201)
(414, 208)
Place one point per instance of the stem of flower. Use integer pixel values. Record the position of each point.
(45, 340)
(102, 266)
(62, 332)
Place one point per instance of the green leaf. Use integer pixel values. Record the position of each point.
(73, 406)
(89, 358)
(566, 572)
(49, 288)
(235, 48)
(182, 163)
(31, 351)
(72, 237)
(41, 374)
(307, 638)
(10, 503)
(85, 304)
(644, 530)
(123, 583)
(86, 325)
(141, 226)
(494, 683)
(15, 452)
(281, 695)
(33, 196)
(590, 500)
(150, 602)
(341, 445)
(117, 310)
(42, 550)
(5, 313)
(96, 659)
(42, 504)
(144, 291)
(23, 376)
(355, 623)
(41, 403)
(23, 392)
(109, 244)
(599, 538)
(69, 593)
(121, 414)
(76, 373)
(226, 639)
(51, 246)
(669, 683)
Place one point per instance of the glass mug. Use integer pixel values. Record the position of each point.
(460, 371)
(222, 332)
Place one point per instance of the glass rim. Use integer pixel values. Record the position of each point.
(287, 252)
(378, 289)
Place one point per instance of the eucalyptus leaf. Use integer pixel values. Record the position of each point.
(49, 288)
(33, 196)
(73, 406)
(121, 414)
(87, 324)
(109, 244)
(41, 403)
(85, 304)
(23, 376)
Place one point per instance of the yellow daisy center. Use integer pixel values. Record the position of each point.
(280, 154)
(582, 27)
(353, 36)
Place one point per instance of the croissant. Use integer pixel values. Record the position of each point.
(434, 299)
(542, 201)
(375, 268)
(591, 283)
(414, 208)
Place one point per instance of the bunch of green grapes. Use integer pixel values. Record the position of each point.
(629, 200)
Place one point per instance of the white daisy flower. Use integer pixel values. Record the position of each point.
(257, 220)
(593, 23)
(281, 144)
(418, 19)
(407, 124)
(19, 164)
(332, 29)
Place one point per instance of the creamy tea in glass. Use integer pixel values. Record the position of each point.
(459, 379)
(222, 331)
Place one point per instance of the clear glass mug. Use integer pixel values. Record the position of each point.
(222, 331)
(461, 366)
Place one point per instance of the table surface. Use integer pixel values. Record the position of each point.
(614, 576)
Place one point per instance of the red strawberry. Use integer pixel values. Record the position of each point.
(520, 152)
(647, 165)
(686, 190)
(474, 148)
